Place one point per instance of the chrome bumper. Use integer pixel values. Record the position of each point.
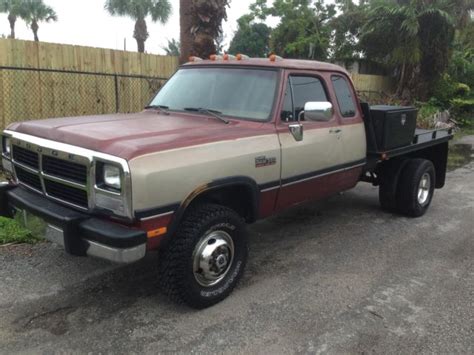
(97, 250)
(80, 234)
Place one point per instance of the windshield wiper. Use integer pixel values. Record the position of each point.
(162, 108)
(213, 113)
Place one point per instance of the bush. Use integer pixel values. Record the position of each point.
(426, 111)
(463, 110)
(462, 90)
(444, 90)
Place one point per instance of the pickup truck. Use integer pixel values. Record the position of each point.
(224, 143)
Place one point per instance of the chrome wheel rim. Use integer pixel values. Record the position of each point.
(424, 189)
(212, 258)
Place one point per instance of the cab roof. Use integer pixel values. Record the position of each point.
(267, 63)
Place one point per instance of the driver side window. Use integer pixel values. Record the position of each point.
(299, 91)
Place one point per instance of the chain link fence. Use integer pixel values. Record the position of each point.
(29, 94)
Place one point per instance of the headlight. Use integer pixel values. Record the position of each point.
(113, 176)
(6, 146)
(112, 188)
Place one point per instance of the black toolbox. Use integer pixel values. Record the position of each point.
(394, 126)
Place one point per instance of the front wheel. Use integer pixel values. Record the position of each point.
(206, 258)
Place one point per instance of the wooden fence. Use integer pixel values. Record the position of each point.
(41, 80)
(373, 83)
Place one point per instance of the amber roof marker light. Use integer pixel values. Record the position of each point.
(241, 56)
(274, 58)
(195, 59)
(215, 57)
(229, 57)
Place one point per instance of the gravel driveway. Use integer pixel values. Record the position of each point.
(339, 276)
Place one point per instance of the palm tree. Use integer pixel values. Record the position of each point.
(12, 8)
(139, 10)
(201, 26)
(412, 35)
(35, 11)
(186, 23)
(172, 48)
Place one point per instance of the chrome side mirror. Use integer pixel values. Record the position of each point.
(296, 129)
(318, 111)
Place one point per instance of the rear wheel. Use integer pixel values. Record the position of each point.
(416, 187)
(206, 258)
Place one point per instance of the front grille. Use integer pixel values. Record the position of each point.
(26, 157)
(65, 169)
(29, 179)
(66, 193)
(51, 175)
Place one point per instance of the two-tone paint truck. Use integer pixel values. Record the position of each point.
(224, 143)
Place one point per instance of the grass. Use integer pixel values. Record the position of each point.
(11, 232)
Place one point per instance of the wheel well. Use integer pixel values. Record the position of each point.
(438, 155)
(241, 198)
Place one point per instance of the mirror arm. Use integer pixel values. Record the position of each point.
(300, 116)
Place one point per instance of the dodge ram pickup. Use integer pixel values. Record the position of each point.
(224, 143)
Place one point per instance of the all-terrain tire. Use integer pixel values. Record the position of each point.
(177, 262)
(410, 200)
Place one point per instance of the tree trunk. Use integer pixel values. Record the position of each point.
(12, 20)
(141, 34)
(35, 28)
(186, 37)
(401, 82)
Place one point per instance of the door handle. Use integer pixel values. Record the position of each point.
(335, 130)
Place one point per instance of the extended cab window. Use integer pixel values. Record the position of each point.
(300, 90)
(344, 96)
(238, 93)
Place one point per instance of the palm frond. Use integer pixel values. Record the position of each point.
(161, 10)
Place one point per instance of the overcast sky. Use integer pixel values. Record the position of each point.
(86, 23)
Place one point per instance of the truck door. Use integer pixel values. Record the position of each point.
(353, 137)
(315, 166)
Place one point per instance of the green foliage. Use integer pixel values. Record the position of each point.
(37, 11)
(346, 28)
(426, 112)
(414, 36)
(12, 232)
(444, 90)
(303, 31)
(139, 10)
(173, 48)
(14, 9)
(462, 90)
(461, 67)
(462, 108)
(11, 7)
(251, 38)
(159, 10)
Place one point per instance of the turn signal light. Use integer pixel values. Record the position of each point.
(157, 232)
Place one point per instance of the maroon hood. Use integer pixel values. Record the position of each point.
(131, 135)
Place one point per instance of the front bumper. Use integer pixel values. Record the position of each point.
(80, 234)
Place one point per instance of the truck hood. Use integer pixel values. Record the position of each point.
(131, 135)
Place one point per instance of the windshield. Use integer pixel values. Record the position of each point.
(239, 93)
